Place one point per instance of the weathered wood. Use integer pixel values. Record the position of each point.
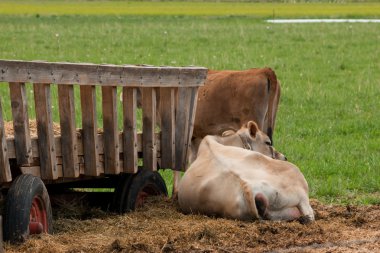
(130, 155)
(104, 75)
(20, 122)
(193, 106)
(69, 144)
(45, 131)
(36, 170)
(5, 172)
(90, 131)
(149, 124)
(167, 107)
(89, 152)
(182, 127)
(12, 154)
(111, 140)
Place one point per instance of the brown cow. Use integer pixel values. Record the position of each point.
(230, 99)
(237, 183)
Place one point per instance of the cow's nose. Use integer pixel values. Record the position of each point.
(285, 159)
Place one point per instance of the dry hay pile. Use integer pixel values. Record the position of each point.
(9, 131)
(160, 227)
(8, 128)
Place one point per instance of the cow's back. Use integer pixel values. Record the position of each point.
(231, 98)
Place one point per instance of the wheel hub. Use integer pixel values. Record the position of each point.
(144, 193)
(38, 217)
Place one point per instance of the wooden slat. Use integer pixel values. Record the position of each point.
(104, 75)
(89, 125)
(193, 106)
(149, 124)
(45, 131)
(21, 123)
(111, 140)
(182, 127)
(5, 172)
(167, 112)
(69, 144)
(130, 155)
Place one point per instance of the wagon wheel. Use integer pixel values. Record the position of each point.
(121, 192)
(137, 188)
(27, 209)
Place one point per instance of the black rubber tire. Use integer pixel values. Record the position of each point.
(121, 192)
(149, 182)
(18, 205)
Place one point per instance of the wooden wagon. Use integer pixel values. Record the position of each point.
(125, 160)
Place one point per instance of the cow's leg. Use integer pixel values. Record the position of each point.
(306, 210)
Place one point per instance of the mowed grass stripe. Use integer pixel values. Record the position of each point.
(265, 10)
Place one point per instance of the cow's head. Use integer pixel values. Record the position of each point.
(252, 138)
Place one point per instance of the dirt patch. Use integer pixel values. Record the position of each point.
(161, 227)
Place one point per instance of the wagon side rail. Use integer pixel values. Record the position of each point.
(92, 154)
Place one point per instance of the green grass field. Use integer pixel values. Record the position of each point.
(329, 117)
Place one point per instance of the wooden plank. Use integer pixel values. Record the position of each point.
(57, 139)
(149, 124)
(104, 75)
(193, 107)
(45, 131)
(21, 123)
(130, 156)
(89, 125)
(167, 112)
(5, 171)
(182, 127)
(111, 140)
(35, 167)
(69, 146)
(36, 170)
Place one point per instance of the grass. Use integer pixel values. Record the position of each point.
(278, 10)
(328, 120)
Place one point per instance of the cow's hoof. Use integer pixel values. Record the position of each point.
(305, 219)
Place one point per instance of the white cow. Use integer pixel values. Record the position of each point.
(240, 183)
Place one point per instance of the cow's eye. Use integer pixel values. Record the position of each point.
(268, 143)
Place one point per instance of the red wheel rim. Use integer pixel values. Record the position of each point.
(141, 197)
(144, 193)
(38, 217)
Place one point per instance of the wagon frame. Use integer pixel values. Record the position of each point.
(73, 157)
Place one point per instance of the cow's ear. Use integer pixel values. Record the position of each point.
(228, 133)
(253, 128)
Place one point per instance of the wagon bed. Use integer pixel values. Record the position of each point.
(71, 156)
(65, 156)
